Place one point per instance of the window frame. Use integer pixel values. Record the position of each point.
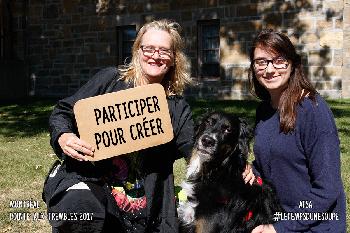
(6, 31)
(120, 40)
(200, 49)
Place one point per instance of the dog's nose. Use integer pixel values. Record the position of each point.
(208, 141)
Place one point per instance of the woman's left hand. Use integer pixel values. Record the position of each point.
(248, 175)
(264, 229)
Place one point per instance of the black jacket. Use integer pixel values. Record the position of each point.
(158, 161)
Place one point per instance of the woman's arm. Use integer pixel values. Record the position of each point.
(183, 127)
(62, 121)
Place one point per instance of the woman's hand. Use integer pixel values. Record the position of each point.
(75, 147)
(248, 175)
(264, 229)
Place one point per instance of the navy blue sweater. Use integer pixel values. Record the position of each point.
(303, 165)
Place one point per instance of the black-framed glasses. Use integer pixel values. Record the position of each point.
(149, 51)
(277, 62)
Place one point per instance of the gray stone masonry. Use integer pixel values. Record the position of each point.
(68, 41)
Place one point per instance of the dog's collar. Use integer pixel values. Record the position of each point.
(248, 216)
(259, 180)
(222, 200)
(225, 200)
(250, 213)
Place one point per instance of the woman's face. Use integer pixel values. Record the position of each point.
(156, 55)
(277, 72)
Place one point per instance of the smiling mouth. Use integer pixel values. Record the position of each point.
(270, 78)
(155, 64)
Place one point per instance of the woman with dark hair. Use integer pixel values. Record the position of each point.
(296, 140)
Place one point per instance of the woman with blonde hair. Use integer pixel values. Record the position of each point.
(141, 183)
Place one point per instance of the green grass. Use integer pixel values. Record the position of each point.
(26, 155)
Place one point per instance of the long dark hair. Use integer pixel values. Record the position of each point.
(298, 84)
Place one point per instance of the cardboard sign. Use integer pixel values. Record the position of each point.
(124, 121)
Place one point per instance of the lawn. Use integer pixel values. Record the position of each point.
(26, 155)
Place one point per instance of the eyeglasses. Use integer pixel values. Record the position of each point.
(277, 62)
(149, 51)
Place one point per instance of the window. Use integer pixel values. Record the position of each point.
(125, 39)
(6, 42)
(209, 48)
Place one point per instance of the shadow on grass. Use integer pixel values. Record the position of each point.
(25, 118)
(341, 111)
(30, 117)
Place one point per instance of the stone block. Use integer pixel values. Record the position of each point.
(159, 7)
(321, 73)
(246, 26)
(230, 2)
(210, 3)
(238, 95)
(67, 32)
(307, 38)
(35, 30)
(80, 59)
(333, 5)
(204, 14)
(247, 10)
(346, 88)
(51, 11)
(91, 59)
(230, 11)
(186, 15)
(240, 84)
(346, 14)
(338, 24)
(75, 19)
(69, 5)
(322, 24)
(331, 39)
(308, 24)
(337, 57)
(35, 12)
(237, 73)
(327, 85)
(136, 8)
(68, 43)
(106, 36)
(186, 4)
(273, 20)
(80, 28)
(108, 61)
(331, 94)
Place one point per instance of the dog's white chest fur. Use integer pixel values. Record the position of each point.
(193, 167)
(186, 210)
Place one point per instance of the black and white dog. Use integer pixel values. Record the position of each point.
(218, 200)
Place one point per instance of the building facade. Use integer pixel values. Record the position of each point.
(63, 43)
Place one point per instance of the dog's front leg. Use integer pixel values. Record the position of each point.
(186, 212)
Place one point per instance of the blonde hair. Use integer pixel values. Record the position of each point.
(178, 75)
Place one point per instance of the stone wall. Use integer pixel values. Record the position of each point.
(346, 50)
(69, 40)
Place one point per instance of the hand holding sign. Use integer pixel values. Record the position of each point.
(125, 121)
(75, 147)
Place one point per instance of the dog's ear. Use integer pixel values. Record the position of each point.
(245, 136)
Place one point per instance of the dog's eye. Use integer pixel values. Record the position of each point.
(226, 129)
(211, 121)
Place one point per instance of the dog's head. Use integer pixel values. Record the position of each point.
(219, 136)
